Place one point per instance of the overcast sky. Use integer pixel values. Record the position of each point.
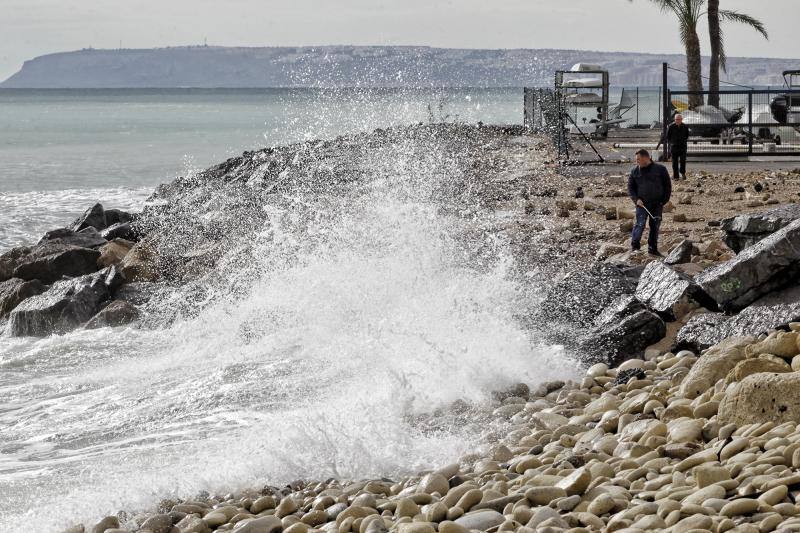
(29, 28)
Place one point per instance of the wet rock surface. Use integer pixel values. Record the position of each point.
(668, 292)
(743, 231)
(116, 313)
(769, 265)
(86, 238)
(773, 311)
(14, 291)
(66, 305)
(622, 331)
(49, 262)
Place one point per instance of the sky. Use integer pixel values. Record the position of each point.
(30, 28)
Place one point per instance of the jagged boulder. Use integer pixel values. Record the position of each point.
(121, 230)
(65, 306)
(48, 262)
(669, 293)
(771, 312)
(94, 217)
(116, 313)
(86, 238)
(118, 216)
(770, 264)
(681, 254)
(579, 298)
(10, 259)
(14, 291)
(141, 263)
(743, 231)
(763, 397)
(621, 332)
(139, 293)
(113, 252)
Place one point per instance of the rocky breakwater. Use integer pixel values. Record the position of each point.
(680, 442)
(196, 237)
(70, 277)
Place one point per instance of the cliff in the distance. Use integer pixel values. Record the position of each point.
(337, 66)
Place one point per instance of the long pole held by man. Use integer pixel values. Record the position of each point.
(649, 188)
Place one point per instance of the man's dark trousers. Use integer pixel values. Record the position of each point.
(678, 163)
(655, 224)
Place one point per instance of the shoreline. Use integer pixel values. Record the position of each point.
(648, 443)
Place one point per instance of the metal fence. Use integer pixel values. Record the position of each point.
(745, 123)
(548, 111)
(629, 107)
(542, 114)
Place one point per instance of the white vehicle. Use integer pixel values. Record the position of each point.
(765, 127)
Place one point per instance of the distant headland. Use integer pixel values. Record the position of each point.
(350, 66)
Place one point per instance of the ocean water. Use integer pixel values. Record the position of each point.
(313, 367)
(60, 151)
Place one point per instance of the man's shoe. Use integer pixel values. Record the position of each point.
(655, 253)
(636, 247)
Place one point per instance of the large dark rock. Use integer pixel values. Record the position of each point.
(118, 216)
(743, 231)
(623, 331)
(116, 313)
(769, 265)
(669, 293)
(94, 217)
(121, 230)
(579, 298)
(65, 306)
(10, 259)
(774, 311)
(86, 238)
(139, 293)
(682, 253)
(48, 262)
(14, 291)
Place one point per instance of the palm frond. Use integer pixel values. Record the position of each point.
(743, 18)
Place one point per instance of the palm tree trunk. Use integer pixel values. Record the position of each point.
(715, 37)
(694, 69)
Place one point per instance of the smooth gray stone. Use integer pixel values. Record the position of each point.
(481, 520)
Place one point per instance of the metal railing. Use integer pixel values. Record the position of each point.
(745, 123)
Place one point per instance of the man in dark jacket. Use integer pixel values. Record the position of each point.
(678, 139)
(650, 188)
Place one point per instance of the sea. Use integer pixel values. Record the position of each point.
(360, 337)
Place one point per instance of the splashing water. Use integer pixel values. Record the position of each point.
(344, 316)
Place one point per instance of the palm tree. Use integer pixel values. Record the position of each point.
(715, 17)
(689, 13)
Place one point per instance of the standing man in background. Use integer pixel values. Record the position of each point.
(678, 139)
(649, 188)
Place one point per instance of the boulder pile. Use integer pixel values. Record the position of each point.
(70, 275)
